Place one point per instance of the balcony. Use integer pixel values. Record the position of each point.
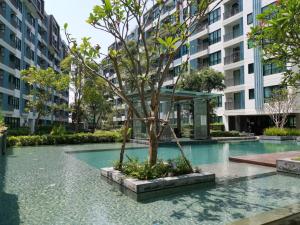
(233, 58)
(199, 48)
(231, 12)
(233, 106)
(232, 35)
(199, 28)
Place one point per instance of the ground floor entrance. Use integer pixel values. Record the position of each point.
(256, 124)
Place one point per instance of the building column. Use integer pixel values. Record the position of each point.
(200, 119)
(258, 71)
(298, 120)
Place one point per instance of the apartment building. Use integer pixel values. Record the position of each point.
(221, 43)
(28, 37)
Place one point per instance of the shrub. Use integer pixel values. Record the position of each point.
(274, 131)
(80, 138)
(217, 126)
(224, 133)
(143, 170)
(58, 130)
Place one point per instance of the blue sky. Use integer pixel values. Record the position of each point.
(75, 13)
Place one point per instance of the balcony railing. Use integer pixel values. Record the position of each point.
(232, 58)
(229, 12)
(199, 28)
(232, 82)
(233, 106)
(232, 35)
(199, 48)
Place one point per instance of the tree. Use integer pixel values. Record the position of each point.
(280, 104)
(77, 74)
(145, 60)
(278, 36)
(205, 80)
(44, 83)
(95, 101)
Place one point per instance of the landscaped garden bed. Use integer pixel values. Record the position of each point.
(289, 165)
(141, 177)
(280, 134)
(78, 138)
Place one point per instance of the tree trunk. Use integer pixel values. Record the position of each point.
(125, 136)
(153, 143)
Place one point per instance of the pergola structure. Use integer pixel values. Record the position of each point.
(200, 112)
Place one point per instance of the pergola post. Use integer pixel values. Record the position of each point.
(178, 108)
(200, 119)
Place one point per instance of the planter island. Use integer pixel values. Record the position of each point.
(277, 138)
(142, 186)
(288, 166)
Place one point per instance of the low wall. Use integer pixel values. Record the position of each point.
(288, 166)
(277, 138)
(142, 186)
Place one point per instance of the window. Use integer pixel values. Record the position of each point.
(237, 77)
(236, 31)
(268, 90)
(249, 18)
(12, 122)
(250, 68)
(1, 77)
(251, 94)
(219, 102)
(215, 58)
(271, 68)
(2, 30)
(13, 102)
(194, 64)
(214, 16)
(215, 37)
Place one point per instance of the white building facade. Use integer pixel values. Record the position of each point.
(222, 44)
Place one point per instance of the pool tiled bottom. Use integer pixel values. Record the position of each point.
(44, 185)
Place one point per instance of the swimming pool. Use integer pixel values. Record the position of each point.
(44, 185)
(204, 153)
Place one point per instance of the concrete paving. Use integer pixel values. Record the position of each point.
(233, 171)
(265, 159)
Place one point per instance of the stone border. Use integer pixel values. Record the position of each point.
(288, 166)
(142, 186)
(277, 138)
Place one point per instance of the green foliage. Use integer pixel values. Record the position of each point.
(43, 84)
(274, 131)
(204, 80)
(79, 138)
(278, 36)
(144, 171)
(219, 133)
(217, 126)
(2, 124)
(21, 131)
(58, 130)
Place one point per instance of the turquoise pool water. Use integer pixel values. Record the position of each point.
(197, 153)
(44, 185)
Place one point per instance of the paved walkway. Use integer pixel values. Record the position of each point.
(265, 159)
(232, 171)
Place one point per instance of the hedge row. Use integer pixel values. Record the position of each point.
(224, 133)
(80, 138)
(273, 131)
